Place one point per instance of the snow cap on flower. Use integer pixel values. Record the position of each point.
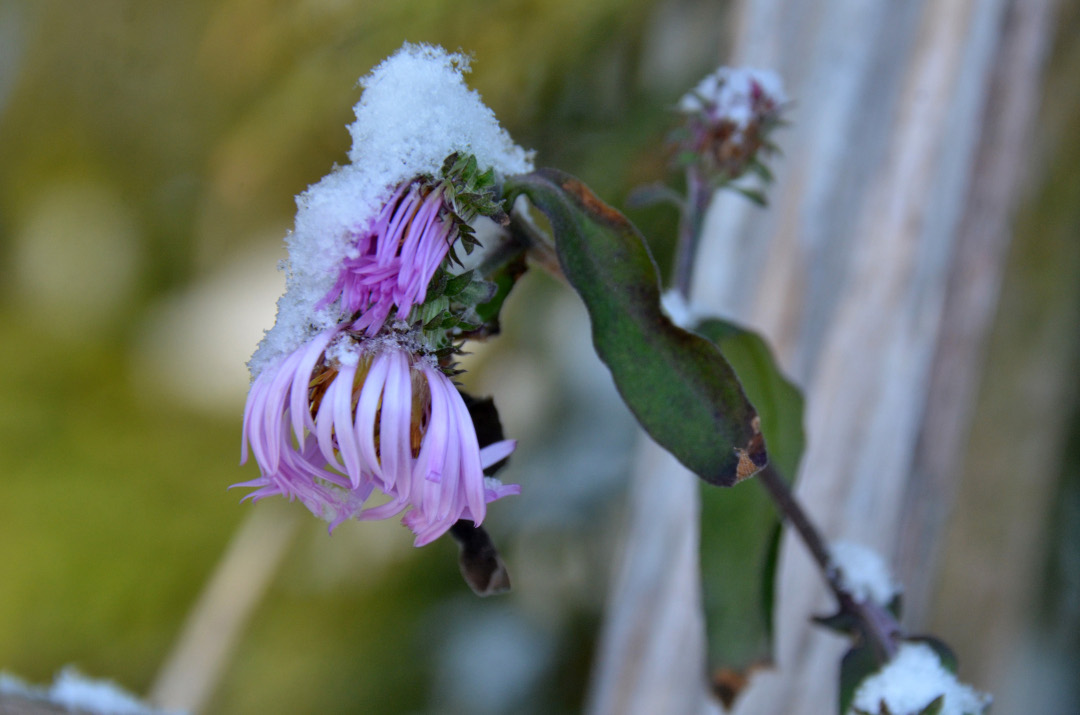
(727, 120)
(911, 681)
(739, 95)
(414, 112)
(345, 415)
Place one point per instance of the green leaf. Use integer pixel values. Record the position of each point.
(759, 168)
(756, 196)
(739, 544)
(740, 527)
(677, 384)
(935, 707)
(778, 400)
(857, 665)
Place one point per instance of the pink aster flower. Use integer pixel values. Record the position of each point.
(392, 262)
(345, 415)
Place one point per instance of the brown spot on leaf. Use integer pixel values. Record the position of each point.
(592, 203)
(752, 458)
(728, 683)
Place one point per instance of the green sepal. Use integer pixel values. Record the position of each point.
(653, 194)
(761, 169)
(477, 293)
(896, 606)
(841, 622)
(438, 321)
(503, 279)
(456, 284)
(755, 195)
(469, 191)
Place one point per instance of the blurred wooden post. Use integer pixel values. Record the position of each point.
(874, 273)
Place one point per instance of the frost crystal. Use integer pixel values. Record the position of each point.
(911, 681)
(863, 573)
(414, 112)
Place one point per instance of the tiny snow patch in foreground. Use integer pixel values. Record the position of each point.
(75, 691)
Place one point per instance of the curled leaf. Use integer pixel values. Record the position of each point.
(479, 560)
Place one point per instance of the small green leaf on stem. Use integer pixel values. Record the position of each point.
(857, 665)
(935, 707)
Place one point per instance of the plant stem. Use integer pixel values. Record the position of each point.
(527, 238)
(791, 510)
(698, 195)
(877, 624)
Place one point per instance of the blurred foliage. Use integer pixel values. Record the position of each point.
(112, 511)
(145, 145)
(1051, 267)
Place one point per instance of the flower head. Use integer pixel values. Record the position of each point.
(346, 415)
(729, 116)
(369, 231)
(349, 394)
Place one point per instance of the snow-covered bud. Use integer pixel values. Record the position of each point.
(728, 119)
